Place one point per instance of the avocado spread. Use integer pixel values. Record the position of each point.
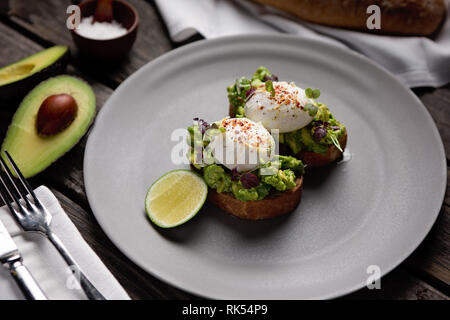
(317, 136)
(323, 131)
(275, 176)
(239, 91)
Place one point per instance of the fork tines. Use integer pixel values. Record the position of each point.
(12, 189)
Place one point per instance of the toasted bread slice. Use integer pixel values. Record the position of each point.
(314, 160)
(266, 208)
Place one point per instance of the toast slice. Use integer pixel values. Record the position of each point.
(314, 160)
(266, 208)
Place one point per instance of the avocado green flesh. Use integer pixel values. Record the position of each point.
(30, 65)
(32, 152)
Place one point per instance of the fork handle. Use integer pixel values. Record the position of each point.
(91, 292)
(25, 281)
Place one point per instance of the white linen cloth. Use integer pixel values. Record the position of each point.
(47, 266)
(416, 61)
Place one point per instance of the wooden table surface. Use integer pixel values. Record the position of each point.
(29, 26)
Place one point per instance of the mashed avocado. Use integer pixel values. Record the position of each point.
(256, 193)
(284, 171)
(237, 94)
(261, 75)
(216, 178)
(317, 136)
(282, 181)
(243, 87)
(287, 162)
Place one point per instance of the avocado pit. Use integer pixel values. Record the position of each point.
(55, 114)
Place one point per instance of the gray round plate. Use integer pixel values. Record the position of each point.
(373, 209)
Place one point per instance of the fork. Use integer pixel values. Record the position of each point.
(34, 217)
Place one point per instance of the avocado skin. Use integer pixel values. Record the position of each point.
(13, 92)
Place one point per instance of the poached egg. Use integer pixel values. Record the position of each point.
(283, 111)
(243, 145)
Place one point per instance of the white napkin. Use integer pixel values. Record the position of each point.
(47, 266)
(416, 61)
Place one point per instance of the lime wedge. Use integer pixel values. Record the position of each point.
(175, 198)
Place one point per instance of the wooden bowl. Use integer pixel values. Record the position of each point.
(110, 49)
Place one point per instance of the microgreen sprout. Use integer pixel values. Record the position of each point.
(269, 87)
(316, 93)
(312, 94)
(336, 142)
(308, 92)
(311, 109)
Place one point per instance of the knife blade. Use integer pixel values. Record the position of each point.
(11, 258)
(8, 248)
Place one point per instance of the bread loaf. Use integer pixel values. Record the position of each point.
(405, 17)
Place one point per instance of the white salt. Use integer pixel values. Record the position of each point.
(100, 30)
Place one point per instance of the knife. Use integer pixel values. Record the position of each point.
(11, 258)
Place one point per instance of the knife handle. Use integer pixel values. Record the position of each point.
(25, 281)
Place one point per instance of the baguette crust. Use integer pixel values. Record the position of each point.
(266, 208)
(405, 17)
(314, 160)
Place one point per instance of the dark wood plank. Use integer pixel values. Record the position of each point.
(437, 102)
(399, 285)
(432, 258)
(47, 21)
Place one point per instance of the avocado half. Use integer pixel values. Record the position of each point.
(33, 152)
(20, 77)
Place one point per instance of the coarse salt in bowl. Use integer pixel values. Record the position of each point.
(100, 30)
(101, 44)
